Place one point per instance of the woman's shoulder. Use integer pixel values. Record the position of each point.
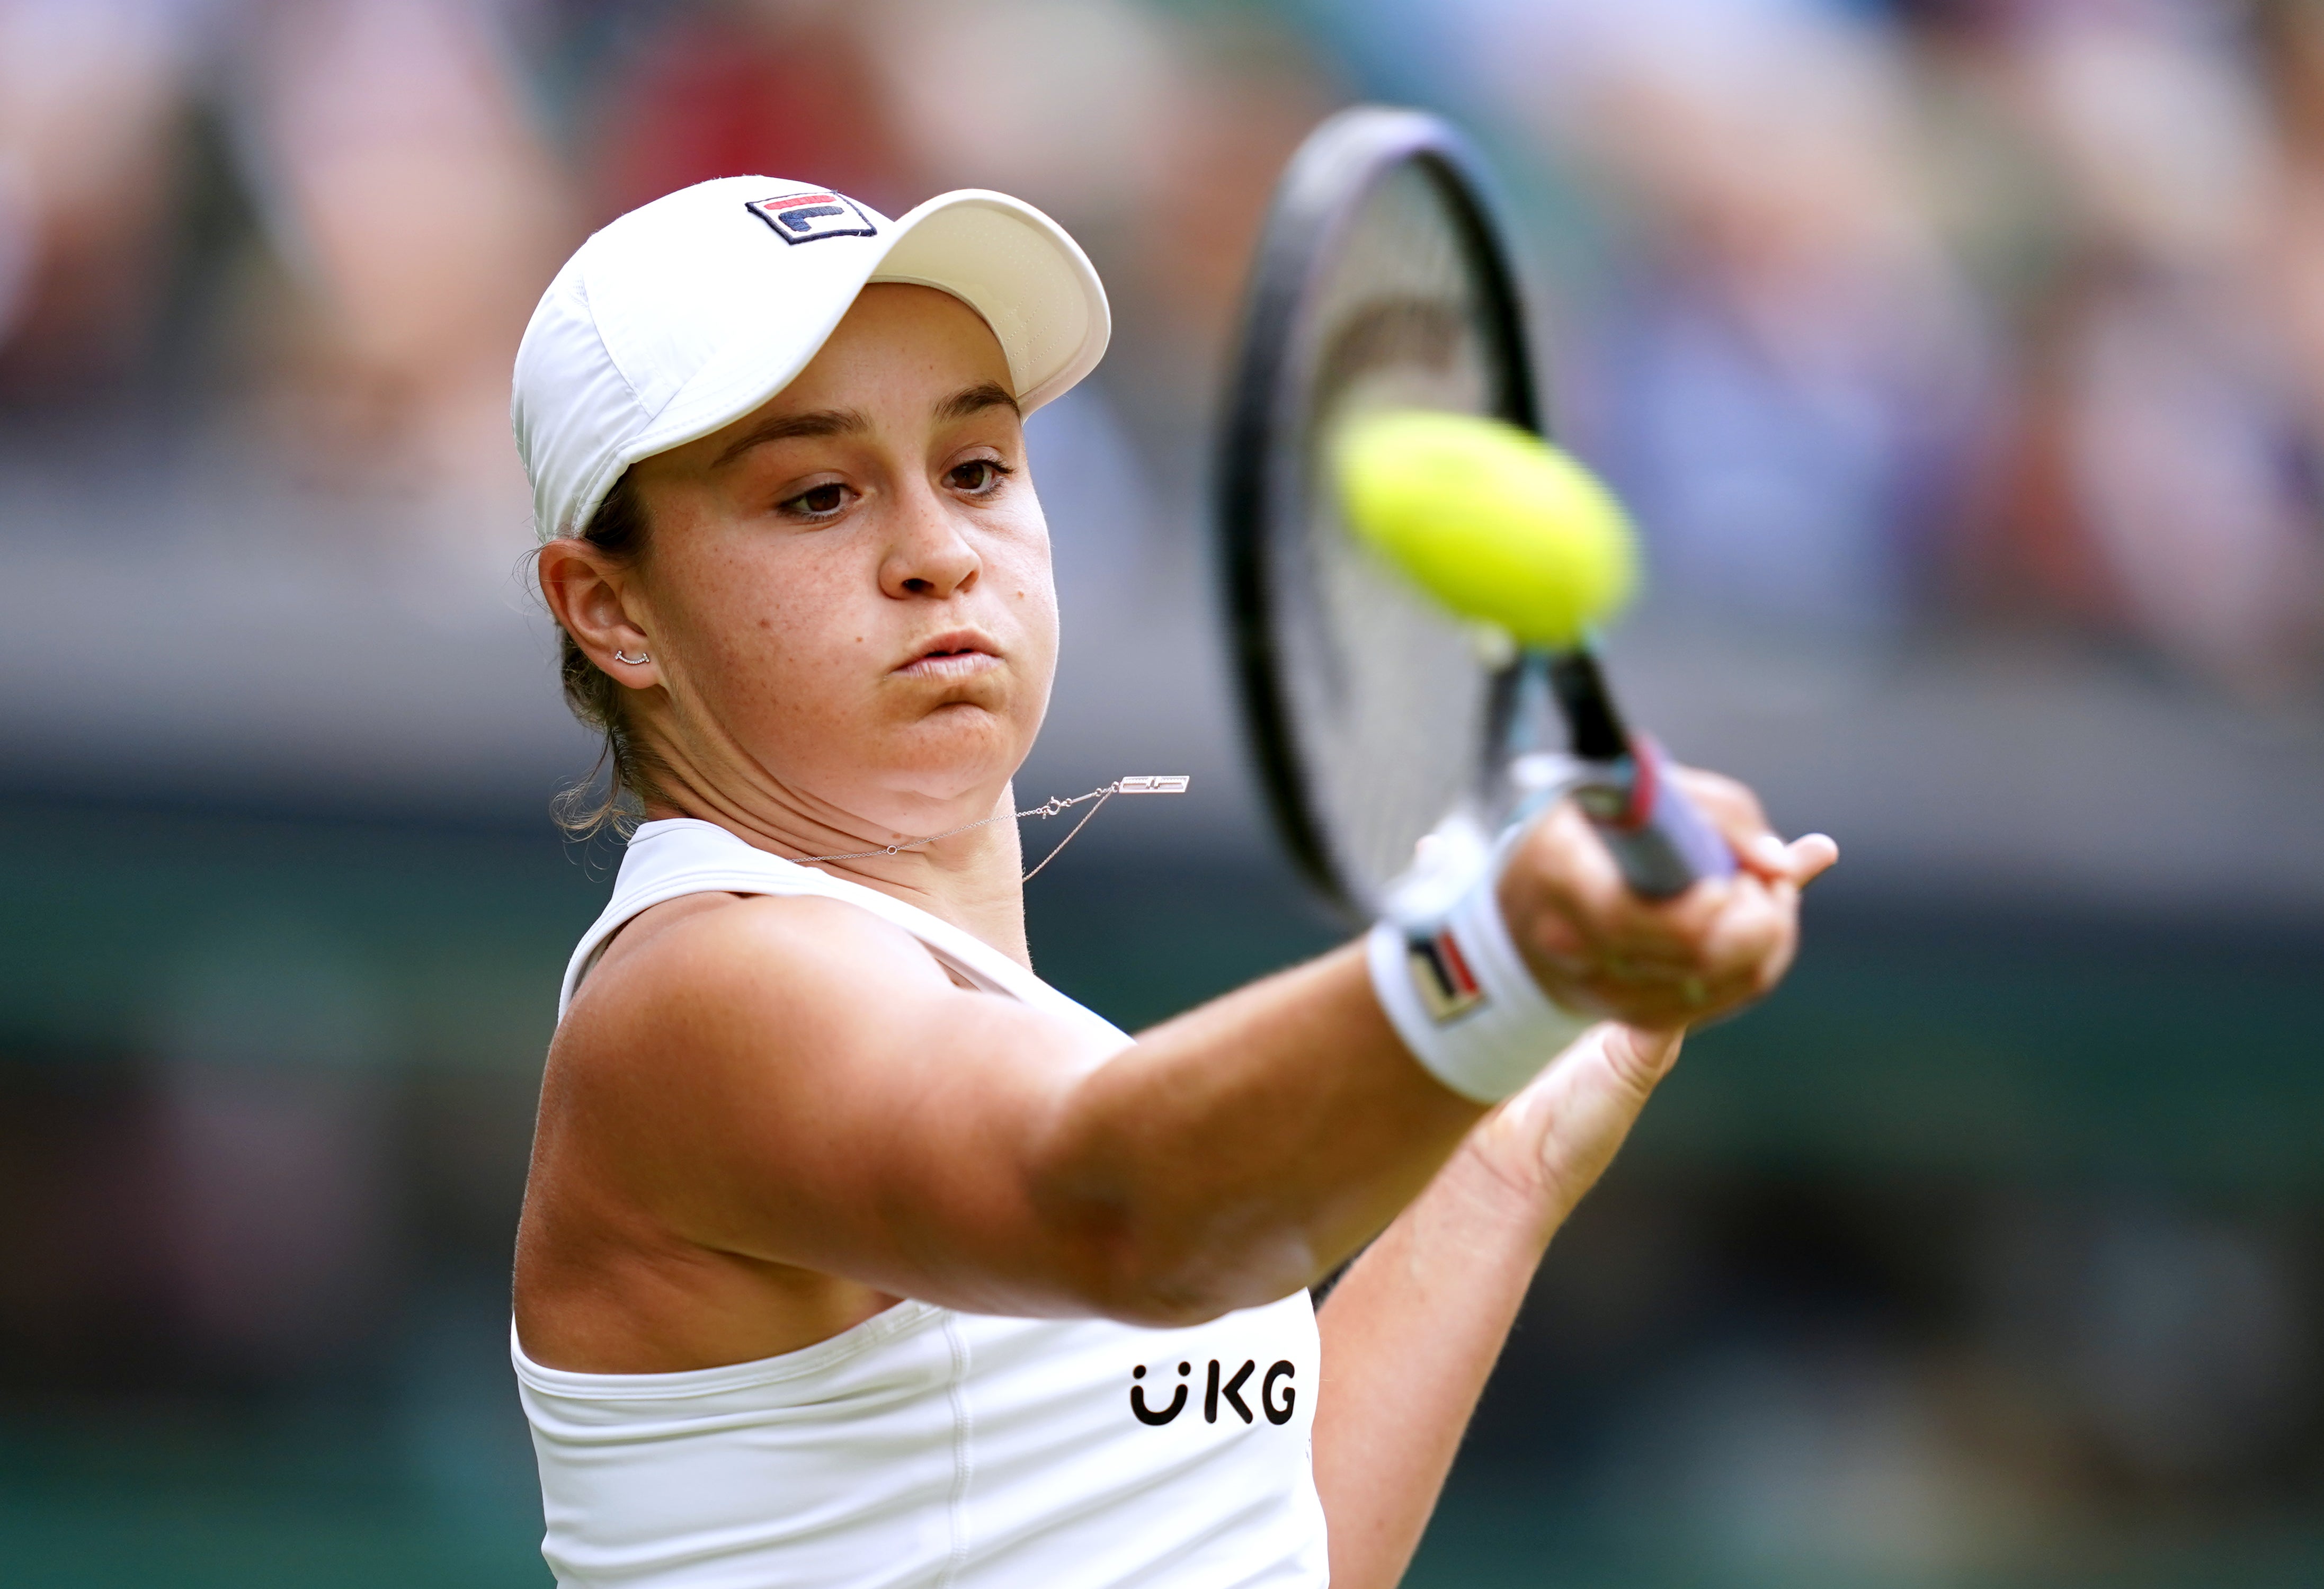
(722, 957)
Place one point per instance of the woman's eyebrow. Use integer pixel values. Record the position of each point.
(975, 399)
(791, 427)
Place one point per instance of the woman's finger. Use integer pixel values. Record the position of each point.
(1811, 856)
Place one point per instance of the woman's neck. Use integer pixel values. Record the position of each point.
(972, 879)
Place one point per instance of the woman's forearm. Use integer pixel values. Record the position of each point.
(1249, 1145)
(1410, 1336)
(1244, 1149)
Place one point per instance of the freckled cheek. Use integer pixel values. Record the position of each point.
(801, 667)
(788, 656)
(1031, 601)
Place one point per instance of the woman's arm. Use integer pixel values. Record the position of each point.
(1413, 1329)
(794, 1082)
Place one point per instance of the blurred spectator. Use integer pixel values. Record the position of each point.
(2290, 51)
(2164, 397)
(780, 87)
(389, 153)
(90, 94)
(399, 174)
(1154, 137)
(1070, 102)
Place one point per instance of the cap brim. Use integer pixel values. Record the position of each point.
(1013, 265)
(1017, 267)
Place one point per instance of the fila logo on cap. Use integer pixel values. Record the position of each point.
(809, 217)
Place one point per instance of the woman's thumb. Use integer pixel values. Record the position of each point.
(1641, 1057)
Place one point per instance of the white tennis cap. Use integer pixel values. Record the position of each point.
(689, 312)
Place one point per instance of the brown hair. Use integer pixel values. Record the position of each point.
(617, 529)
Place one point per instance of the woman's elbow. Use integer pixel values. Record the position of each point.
(1143, 1247)
(1167, 1278)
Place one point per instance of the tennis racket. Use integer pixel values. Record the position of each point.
(1376, 714)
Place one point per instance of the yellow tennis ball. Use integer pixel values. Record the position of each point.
(1490, 519)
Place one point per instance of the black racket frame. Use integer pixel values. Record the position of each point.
(1341, 162)
(1662, 843)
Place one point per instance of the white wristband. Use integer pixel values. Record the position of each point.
(1451, 980)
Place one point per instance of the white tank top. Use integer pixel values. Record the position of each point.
(924, 1446)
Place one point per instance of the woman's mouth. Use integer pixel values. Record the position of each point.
(953, 656)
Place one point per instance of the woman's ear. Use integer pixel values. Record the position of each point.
(587, 592)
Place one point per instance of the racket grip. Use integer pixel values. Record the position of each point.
(1658, 838)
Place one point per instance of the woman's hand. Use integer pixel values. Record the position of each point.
(1656, 967)
(1597, 948)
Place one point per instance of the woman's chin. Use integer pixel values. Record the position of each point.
(956, 759)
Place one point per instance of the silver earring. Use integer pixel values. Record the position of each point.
(625, 657)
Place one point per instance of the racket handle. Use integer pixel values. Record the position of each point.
(1661, 842)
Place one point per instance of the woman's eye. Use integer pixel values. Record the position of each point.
(818, 501)
(978, 475)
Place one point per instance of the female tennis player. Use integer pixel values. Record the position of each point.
(854, 1254)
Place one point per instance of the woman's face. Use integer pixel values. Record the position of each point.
(847, 594)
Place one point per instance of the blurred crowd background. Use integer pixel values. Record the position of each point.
(1963, 361)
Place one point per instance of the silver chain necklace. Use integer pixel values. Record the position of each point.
(1143, 784)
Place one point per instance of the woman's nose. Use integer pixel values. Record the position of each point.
(927, 556)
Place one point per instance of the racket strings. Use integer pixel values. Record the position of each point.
(1391, 698)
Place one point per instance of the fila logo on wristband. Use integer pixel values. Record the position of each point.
(1448, 988)
(810, 217)
(1452, 982)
